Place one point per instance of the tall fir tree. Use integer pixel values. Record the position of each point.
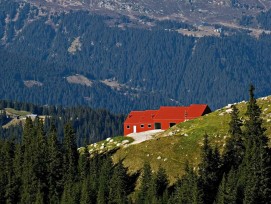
(254, 172)
(70, 162)
(254, 130)
(147, 190)
(161, 182)
(234, 148)
(55, 171)
(118, 185)
(209, 172)
(104, 178)
(187, 189)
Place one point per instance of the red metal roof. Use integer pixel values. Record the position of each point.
(167, 113)
(196, 110)
(141, 116)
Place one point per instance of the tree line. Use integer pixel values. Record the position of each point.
(90, 125)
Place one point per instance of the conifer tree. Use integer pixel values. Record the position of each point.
(104, 178)
(187, 190)
(254, 131)
(87, 196)
(209, 172)
(70, 154)
(227, 192)
(254, 172)
(29, 176)
(118, 185)
(55, 170)
(161, 182)
(83, 164)
(40, 158)
(146, 186)
(234, 149)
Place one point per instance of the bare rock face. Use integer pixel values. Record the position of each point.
(32, 83)
(192, 11)
(79, 79)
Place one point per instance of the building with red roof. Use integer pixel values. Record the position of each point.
(164, 118)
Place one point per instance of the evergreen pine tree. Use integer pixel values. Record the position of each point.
(187, 190)
(55, 170)
(145, 185)
(254, 172)
(70, 154)
(254, 131)
(87, 196)
(104, 178)
(83, 164)
(118, 185)
(234, 148)
(209, 172)
(161, 182)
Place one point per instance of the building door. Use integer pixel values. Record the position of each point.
(157, 125)
(134, 129)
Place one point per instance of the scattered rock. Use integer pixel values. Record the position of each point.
(79, 79)
(108, 139)
(31, 83)
(165, 159)
(159, 157)
(229, 106)
(125, 141)
(148, 155)
(229, 110)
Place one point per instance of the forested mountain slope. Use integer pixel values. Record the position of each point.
(90, 125)
(73, 58)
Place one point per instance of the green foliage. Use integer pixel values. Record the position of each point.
(234, 148)
(90, 125)
(209, 171)
(187, 190)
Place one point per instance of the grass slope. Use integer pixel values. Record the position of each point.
(183, 142)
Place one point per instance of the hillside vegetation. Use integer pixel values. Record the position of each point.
(183, 142)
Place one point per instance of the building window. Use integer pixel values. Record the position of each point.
(171, 124)
(128, 126)
(149, 125)
(142, 126)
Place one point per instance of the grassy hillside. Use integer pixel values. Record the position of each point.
(183, 142)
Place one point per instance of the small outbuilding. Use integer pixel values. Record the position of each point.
(164, 118)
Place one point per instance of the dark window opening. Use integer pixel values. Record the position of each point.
(149, 125)
(171, 124)
(128, 127)
(142, 126)
(157, 125)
